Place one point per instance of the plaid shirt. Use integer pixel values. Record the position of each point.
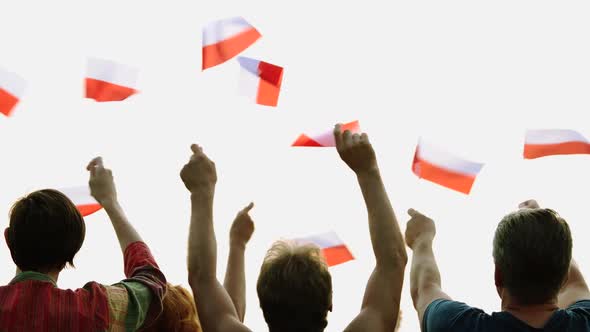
(33, 303)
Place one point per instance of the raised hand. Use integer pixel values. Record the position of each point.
(242, 227)
(102, 186)
(530, 204)
(355, 150)
(199, 173)
(419, 227)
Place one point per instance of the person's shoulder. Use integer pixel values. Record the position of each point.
(580, 306)
(447, 315)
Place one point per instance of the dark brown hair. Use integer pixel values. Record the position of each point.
(533, 250)
(46, 231)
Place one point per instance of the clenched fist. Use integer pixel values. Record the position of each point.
(199, 173)
(419, 227)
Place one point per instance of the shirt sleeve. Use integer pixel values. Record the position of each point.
(443, 315)
(145, 285)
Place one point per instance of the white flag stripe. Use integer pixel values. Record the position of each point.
(325, 240)
(438, 157)
(12, 83)
(248, 84)
(112, 72)
(79, 195)
(217, 31)
(325, 139)
(553, 136)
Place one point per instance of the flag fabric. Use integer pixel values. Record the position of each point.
(547, 142)
(110, 81)
(81, 197)
(332, 247)
(325, 139)
(438, 166)
(261, 81)
(226, 38)
(12, 88)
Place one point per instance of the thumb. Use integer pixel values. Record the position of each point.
(413, 212)
(247, 208)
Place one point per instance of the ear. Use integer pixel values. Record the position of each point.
(7, 237)
(498, 277)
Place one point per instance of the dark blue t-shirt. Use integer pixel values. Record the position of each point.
(447, 316)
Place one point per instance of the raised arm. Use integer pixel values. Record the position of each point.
(380, 306)
(575, 288)
(215, 307)
(235, 276)
(425, 283)
(145, 285)
(102, 188)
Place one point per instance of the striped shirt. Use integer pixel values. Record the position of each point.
(33, 302)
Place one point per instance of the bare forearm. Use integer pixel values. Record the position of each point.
(235, 279)
(202, 246)
(386, 237)
(424, 271)
(126, 233)
(575, 288)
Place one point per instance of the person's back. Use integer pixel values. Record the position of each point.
(540, 286)
(46, 231)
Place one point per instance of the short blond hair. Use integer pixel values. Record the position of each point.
(295, 288)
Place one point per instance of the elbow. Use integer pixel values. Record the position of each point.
(395, 260)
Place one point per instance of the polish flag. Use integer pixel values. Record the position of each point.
(438, 166)
(260, 81)
(333, 249)
(325, 139)
(224, 39)
(546, 142)
(81, 197)
(110, 81)
(12, 88)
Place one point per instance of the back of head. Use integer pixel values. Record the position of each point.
(533, 250)
(179, 312)
(46, 231)
(295, 288)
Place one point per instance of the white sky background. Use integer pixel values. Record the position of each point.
(469, 76)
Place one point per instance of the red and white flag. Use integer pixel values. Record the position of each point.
(547, 142)
(325, 139)
(226, 38)
(333, 249)
(110, 81)
(438, 166)
(81, 197)
(261, 81)
(12, 88)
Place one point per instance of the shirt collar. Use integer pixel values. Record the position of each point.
(32, 275)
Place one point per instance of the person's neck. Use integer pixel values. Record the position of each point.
(54, 275)
(536, 315)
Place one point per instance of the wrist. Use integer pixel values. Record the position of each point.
(370, 173)
(423, 242)
(109, 204)
(237, 245)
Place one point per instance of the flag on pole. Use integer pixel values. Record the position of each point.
(110, 81)
(332, 247)
(81, 197)
(12, 88)
(226, 38)
(261, 81)
(438, 166)
(325, 139)
(547, 142)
